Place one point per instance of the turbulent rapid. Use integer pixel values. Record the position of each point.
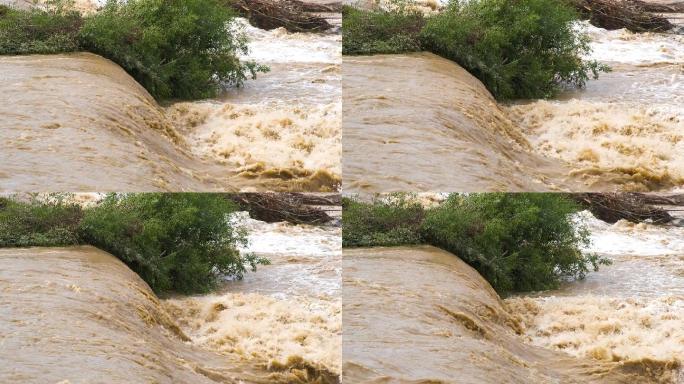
(79, 122)
(630, 312)
(421, 315)
(285, 126)
(281, 324)
(418, 122)
(624, 129)
(287, 314)
(73, 315)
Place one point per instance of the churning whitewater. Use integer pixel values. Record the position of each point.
(622, 132)
(624, 129)
(421, 315)
(282, 324)
(287, 314)
(286, 125)
(79, 122)
(629, 312)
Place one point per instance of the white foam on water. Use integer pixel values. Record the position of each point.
(281, 46)
(623, 46)
(290, 239)
(625, 238)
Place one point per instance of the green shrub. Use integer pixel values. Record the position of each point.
(174, 48)
(51, 29)
(393, 221)
(38, 223)
(380, 31)
(518, 49)
(518, 242)
(179, 242)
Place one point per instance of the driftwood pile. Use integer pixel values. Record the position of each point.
(633, 207)
(635, 16)
(293, 15)
(660, 8)
(295, 208)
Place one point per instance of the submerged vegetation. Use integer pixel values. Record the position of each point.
(162, 44)
(176, 242)
(518, 242)
(521, 49)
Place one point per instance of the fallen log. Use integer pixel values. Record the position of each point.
(293, 15)
(319, 8)
(278, 207)
(613, 207)
(658, 199)
(660, 7)
(319, 198)
(618, 14)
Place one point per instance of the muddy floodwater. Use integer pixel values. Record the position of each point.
(630, 311)
(78, 122)
(418, 122)
(287, 314)
(77, 315)
(421, 123)
(421, 315)
(624, 129)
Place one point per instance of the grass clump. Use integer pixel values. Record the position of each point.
(51, 29)
(186, 49)
(380, 31)
(393, 221)
(175, 242)
(517, 242)
(39, 223)
(523, 49)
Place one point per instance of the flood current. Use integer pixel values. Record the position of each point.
(78, 122)
(421, 123)
(78, 314)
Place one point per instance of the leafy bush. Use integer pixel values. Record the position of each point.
(174, 48)
(380, 31)
(51, 29)
(392, 221)
(518, 49)
(180, 242)
(38, 223)
(518, 242)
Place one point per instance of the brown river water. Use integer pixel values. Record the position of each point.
(632, 310)
(418, 122)
(79, 315)
(421, 315)
(78, 122)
